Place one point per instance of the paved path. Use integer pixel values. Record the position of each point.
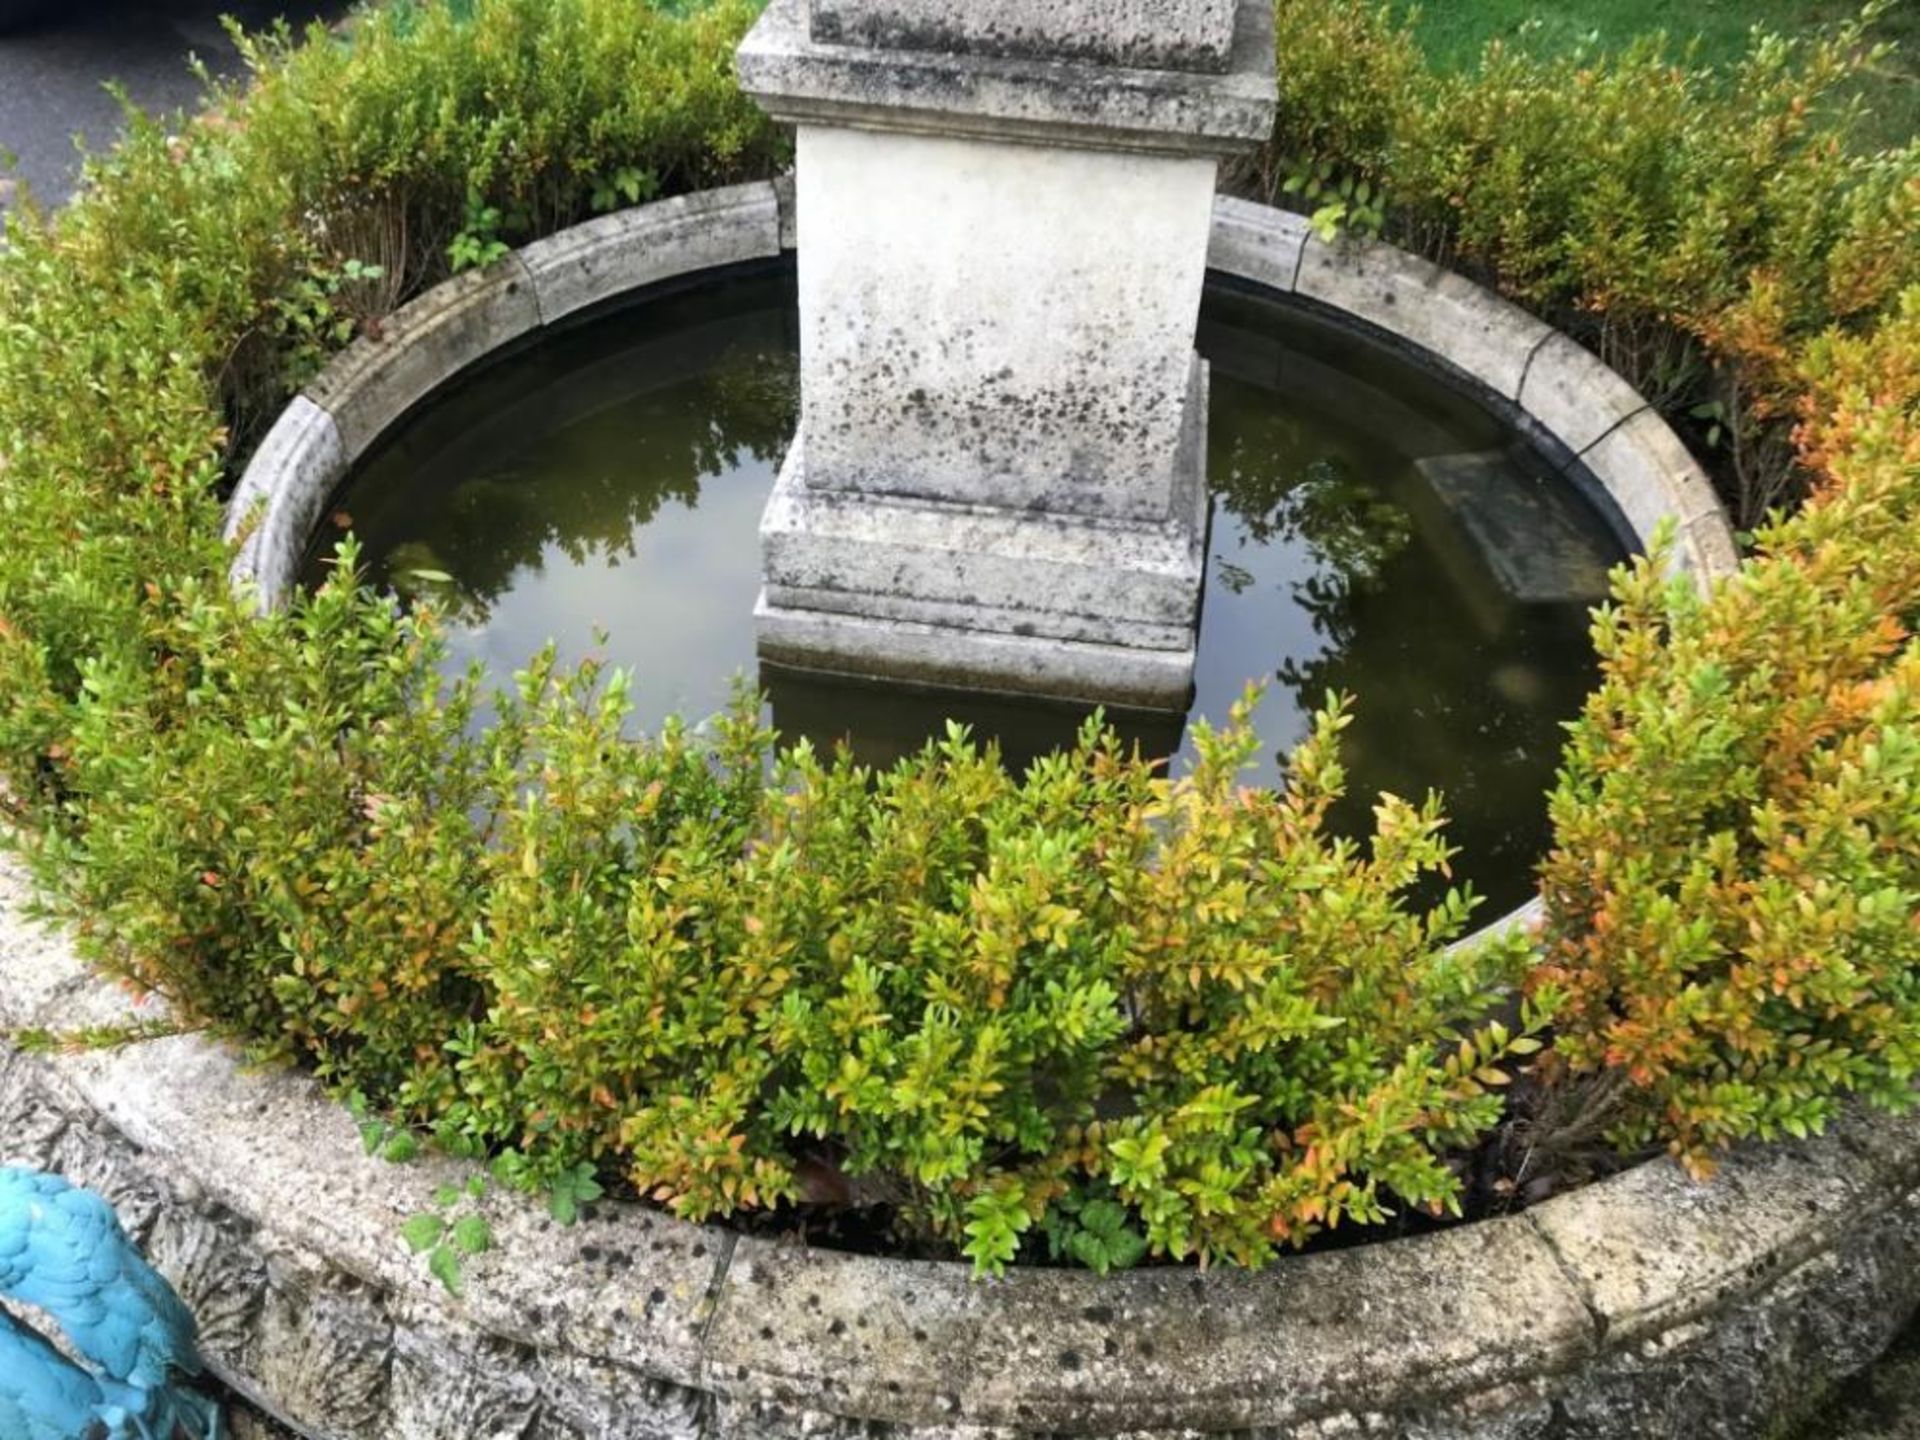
(52, 73)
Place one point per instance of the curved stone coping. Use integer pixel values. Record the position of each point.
(1602, 422)
(340, 416)
(1643, 1305)
(1608, 431)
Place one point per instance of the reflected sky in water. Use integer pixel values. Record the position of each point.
(1373, 533)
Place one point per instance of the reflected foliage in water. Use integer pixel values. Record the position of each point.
(604, 492)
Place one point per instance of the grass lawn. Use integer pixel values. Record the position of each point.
(1455, 30)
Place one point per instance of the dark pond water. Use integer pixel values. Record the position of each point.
(1374, 533)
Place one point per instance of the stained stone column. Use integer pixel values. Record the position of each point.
(1003, 211)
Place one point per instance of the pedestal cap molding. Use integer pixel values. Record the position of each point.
(798, 79)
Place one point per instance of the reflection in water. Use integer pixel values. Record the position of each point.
(1373, 534)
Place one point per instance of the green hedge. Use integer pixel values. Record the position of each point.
(1088, 1011)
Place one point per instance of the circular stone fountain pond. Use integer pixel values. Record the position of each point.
(1642, 1305)
(1375, 532)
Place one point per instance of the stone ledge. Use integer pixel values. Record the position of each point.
(1653, 478)
(1604, 424)
(375, 381)
(1475, 330)
(1018, 100)
(1258, 243)
(1136, 34)
(1575, 395)
(627, 251)
(276, 508)
(1644, 1305)
(1074, 1353)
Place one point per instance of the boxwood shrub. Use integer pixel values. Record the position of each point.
(1086, 1010)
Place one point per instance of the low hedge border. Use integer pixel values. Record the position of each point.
(1647, 1304)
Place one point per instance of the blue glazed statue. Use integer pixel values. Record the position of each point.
(63, 1251)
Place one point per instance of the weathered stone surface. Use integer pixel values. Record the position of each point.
(619, 253)
(1577, 397)
(1710, 540)
(277, 505)
(1257, 243)
(640, 1284)
(36, 961)
(1652, 478)
(376, 381)
(974, 332)
(222, 1278)
(801, 80)
(1142, 34)
(1024, 603)
(590, 1399)
(1113, 576)
(34, 1120)
(1651, 1249)
(1002, 419)
(1469, 327)
(785, 197)
(1754, 1360)
(948, 658)
(1027, 624)
(461, 1384)
(1166, 1350)
(324, 1353)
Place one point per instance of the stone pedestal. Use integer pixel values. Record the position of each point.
(1003, 211)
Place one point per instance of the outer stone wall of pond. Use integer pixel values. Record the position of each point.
(1647, 1305)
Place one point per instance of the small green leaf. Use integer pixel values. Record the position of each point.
(472, 1236)
(422, 1232)
(444, 1266)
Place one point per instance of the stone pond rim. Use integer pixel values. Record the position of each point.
(1644, 1305)
(1608, 441)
